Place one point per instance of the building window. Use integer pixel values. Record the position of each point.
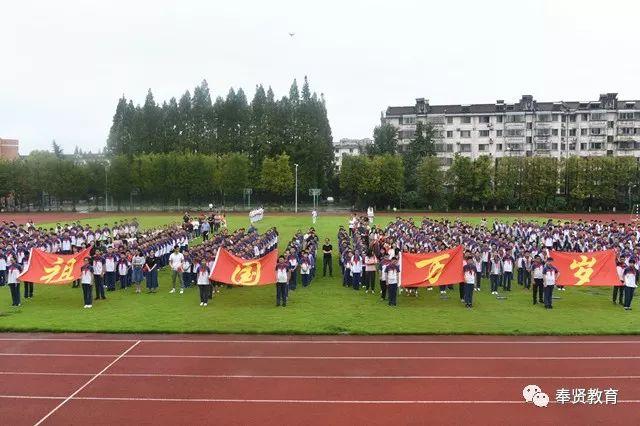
(625, 116)
(449, 133)
(595, 145)
(563, 132)
(554, 132)
(584, 117)
(466, 120)
(544, 118)
(515, 132)
(499, 119)
(408, 119)
(499, 133)
(449, 120)
(484, 119)
(499, 147)
(555, 117)
(609, 139)
(554, 146)
(529, 126)
(563, 146)
(515, 118)
(597, 116)
(465, 133)
(596, 131)
(545, 132)
(484, 133)
(350, 150)
(465, 147)
(572, 132)
(583, 146)
(483, 147)
(528, 139)
(583, 132)
(572, 118)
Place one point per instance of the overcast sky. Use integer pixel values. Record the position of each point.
(64, 64)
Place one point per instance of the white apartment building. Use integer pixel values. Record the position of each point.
(607, 126)
(349, 147)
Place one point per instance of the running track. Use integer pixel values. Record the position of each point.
(63, 379)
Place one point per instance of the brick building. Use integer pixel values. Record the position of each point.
(8, 149)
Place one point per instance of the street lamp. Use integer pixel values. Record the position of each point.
(296, 208)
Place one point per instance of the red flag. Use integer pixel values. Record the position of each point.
(596, 268)
(54, 269)
(431, 269)
(230, 269)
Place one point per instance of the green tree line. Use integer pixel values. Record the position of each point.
(296, 125)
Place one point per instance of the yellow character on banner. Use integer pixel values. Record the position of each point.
(584, 269)
(246, 274)
(53, 271)
(436, 267)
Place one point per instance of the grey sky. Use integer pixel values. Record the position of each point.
(65, 63)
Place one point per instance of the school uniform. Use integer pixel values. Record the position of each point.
(478, 266)
(393, 275)
(13, 270)
(507, 272)
(87, 274)
(346, 275)
(469, 272)
(98, 276)
(305, 272)
(282, 269)
(495, 273)
(550, 273)
(630, 285)
(618, 291)
(123, 273)
(188, 272)
(28, 286)
(110, 261)
(537, 271)
(202, 280)
(356, 271)
(293, 268)
(526, 272)
(383, 278)
(3, 269)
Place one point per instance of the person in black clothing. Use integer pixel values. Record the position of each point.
(326, 258)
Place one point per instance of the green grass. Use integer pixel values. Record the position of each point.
(323, 308)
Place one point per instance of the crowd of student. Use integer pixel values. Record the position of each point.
(494, 253)
(299, 258)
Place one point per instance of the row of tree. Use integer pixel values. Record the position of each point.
(296, 125)
(521, 183)
(155, 178)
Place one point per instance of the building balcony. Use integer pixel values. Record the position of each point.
(627, 145)
(543, 147)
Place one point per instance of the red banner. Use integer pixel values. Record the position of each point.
(230, 269)
(431, 269)
(596, 268)
(53, 269)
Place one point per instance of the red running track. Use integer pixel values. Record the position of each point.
(63, 379)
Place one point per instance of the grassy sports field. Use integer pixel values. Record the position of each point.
(323, 308)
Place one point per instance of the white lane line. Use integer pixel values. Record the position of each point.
(87, 383)
(290, 401)
(337, 342)
(311, 357)
(316, 377)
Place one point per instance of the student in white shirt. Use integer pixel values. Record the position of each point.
(86, 280)
(630, 283)
(175, 261)
(202, 280)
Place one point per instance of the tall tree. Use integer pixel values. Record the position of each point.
(384, 140)
(430, 182)
(422, 145)
(56, 149)
(276, 176)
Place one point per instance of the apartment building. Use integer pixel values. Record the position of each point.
(9, 149)
(607, 126)
(349, 147)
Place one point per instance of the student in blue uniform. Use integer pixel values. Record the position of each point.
(469, 271)
(13, 270)
(393, 275)
(282, 279)
(86, 279)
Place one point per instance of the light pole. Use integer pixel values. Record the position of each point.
(296, 208)
(105, 188)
